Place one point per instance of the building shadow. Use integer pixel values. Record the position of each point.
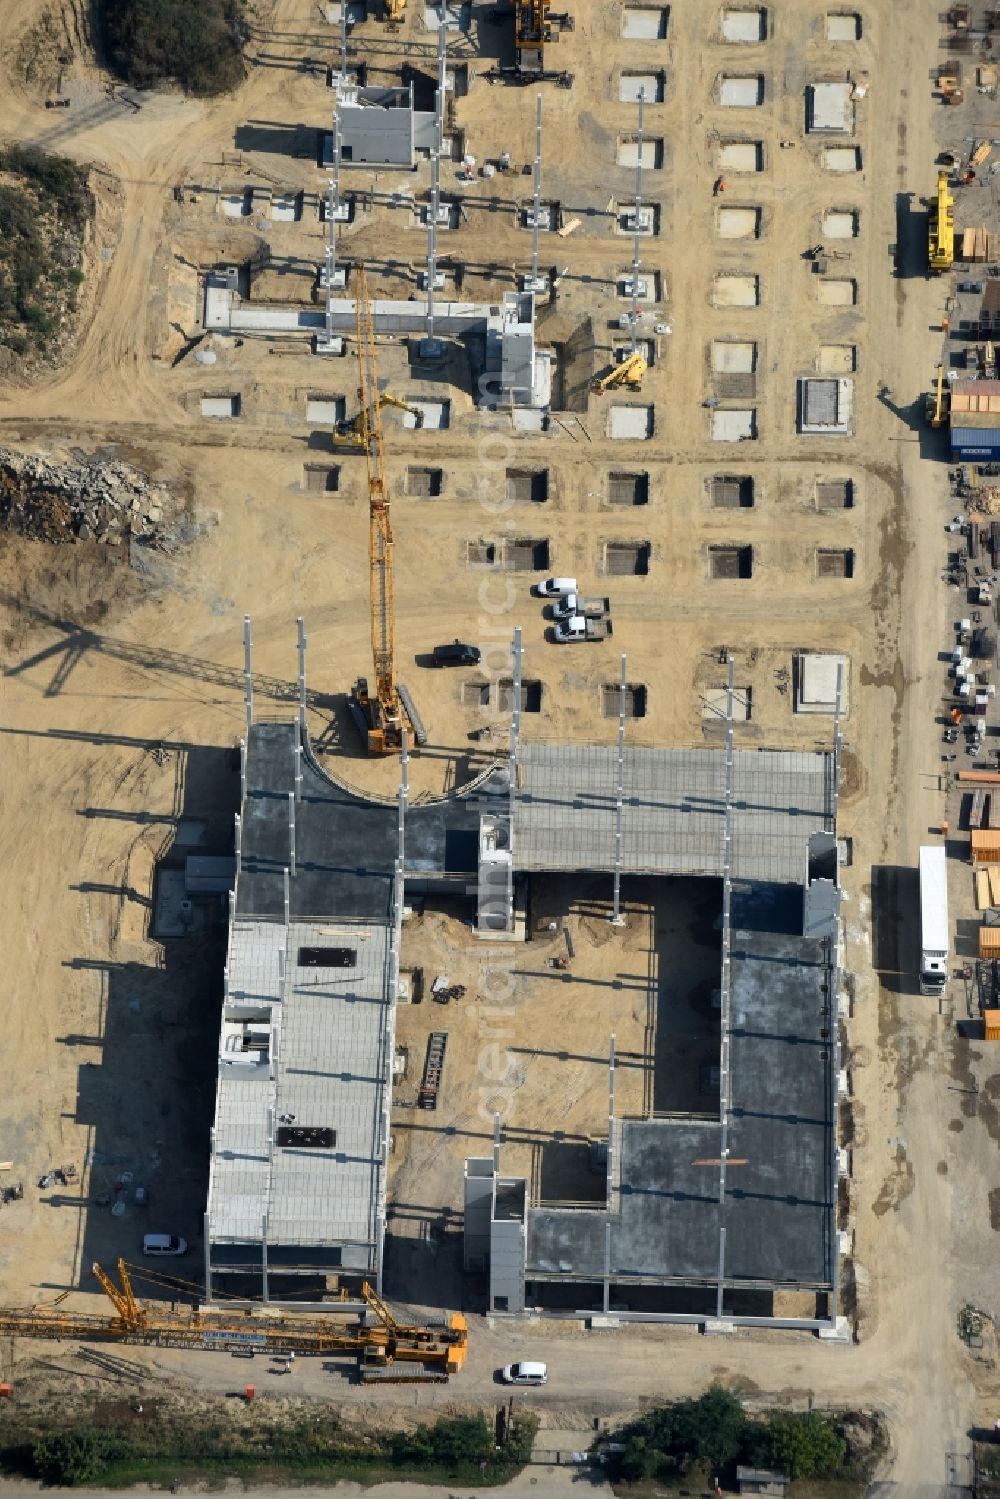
(896, 927)
(147, 1076)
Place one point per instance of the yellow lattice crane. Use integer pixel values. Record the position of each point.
(385, 714)
(440, 1350)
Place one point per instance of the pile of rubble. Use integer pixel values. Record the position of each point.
(91, 500)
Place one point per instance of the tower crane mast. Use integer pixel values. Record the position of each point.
(382, 707)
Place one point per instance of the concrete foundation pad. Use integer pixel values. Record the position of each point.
(631, 85)
(737, 223)
(741, 93)
(733, 358)
(644, 22)
(741, 156)
(743, 25)
(326, 413)
(839, 223)
(628, 155)
(633, 423)
(733, 426)
(836, 359)
(596, 1322)
(839, 1333)
(835, 293)
(735, 291)
(435, 415)
(332, 345)
(842, 158)
(715, 1327)
(843, 26)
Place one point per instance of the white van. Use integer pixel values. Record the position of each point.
(164, 1244)
(525, 1374)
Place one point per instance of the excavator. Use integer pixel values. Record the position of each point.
(941, 227)
(385, 710)
(379, 1344)
(628, 374)
(352, 432)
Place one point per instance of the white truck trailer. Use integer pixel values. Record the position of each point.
(933, 920)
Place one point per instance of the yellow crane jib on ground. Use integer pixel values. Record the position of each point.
(440, 1350)
(384, 713)
(941, 227)
(629, 373)
(936, 405)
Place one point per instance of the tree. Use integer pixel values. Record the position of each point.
(804, 1445)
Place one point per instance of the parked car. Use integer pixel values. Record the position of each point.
(164, 1244)
(456, 654)
(554, 588)
(525, 1373)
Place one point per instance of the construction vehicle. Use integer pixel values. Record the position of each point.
(575, 603)
(579, 627)
(936, 402)
(629, 373)
(352, 431)
(533, 23)
(440, 1351)
(382, 710)
(941, 227)
(393, 13)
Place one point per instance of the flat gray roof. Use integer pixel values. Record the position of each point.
(780, 1201)
(673, 812)
(331, 1029)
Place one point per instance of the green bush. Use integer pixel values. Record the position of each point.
(713, 1433)
(198, 43)
(80, 1456)
(452, 1442)
(804, 1446)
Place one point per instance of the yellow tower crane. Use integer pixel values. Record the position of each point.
(382, 708)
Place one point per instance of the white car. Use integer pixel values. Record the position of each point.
(554, 588)
(525, 1373)
(164, 1244)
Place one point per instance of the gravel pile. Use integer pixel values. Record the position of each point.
(93, 500)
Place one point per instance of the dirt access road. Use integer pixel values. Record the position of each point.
(80, 747)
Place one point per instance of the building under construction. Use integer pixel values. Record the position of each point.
(706, 1215)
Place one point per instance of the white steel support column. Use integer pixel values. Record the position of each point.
(248, 671)
(536, 201)
(609, 1175)
(391, 1000)
(838, 745)
(616, 914)
(436, 154)
(243, 772)
(206, 1229)
(636, 256)
(291, 833)
(287, 893)
(302, 642)
(263, 1258)
(725, 1092)
(515, 734)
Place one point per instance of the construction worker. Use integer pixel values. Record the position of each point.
(718, 186)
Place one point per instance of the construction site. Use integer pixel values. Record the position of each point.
(453, 997)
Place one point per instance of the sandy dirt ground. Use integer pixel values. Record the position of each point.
(122, 692)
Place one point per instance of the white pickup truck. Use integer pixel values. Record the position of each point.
(574, 603)
(578, 627)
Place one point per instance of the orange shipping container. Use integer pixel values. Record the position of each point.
(986, 845)
(991, 1023)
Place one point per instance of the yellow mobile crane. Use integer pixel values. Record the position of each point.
(385, 715)
(941, 227)
(629, 373)
(936, 402)
(440, 1351)
(394, 13)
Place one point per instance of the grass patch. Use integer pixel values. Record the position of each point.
(196, 43)
(118, 1446)
(45, 204)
